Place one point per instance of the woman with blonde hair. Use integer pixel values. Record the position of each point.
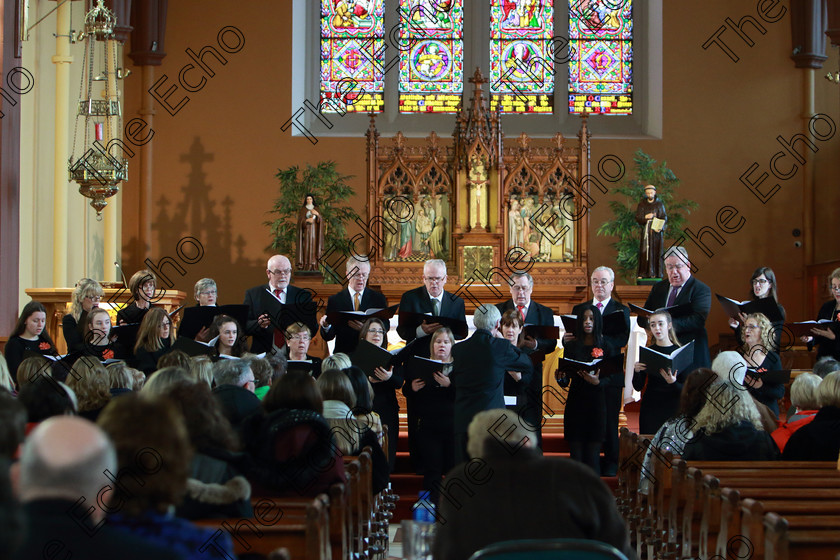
(154, 339)
(819, 440)
(759, 352)
(805, 405)
(201, 369)
(86, 295)
(6, 381)
(97, 337)
(90, 381)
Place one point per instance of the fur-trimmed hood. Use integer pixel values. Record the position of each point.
(235, 489)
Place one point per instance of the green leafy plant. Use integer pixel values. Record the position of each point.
(331, 193)
(623, 224)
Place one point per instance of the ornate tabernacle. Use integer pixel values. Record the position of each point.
(485, 207)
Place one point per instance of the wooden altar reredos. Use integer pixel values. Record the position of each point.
(461, 201)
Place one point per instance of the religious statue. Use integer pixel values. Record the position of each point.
(478, 181)
(650, 214)
(310, 235)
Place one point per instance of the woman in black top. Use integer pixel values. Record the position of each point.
(142, 287)
(515, 383)
(758, 351)
(763, 282)
(29, 334)
(385, 385)
(87, 295)
(661, 396)
(585, 413)
(298, 339)
(154, 339)
(828, 339)
(231, 337)
(97, 337)
(434, 411)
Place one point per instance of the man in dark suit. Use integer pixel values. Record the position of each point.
(603, 282)
(65, 491)
(682, 288)
(270, 307)
(480, 364)
(356, 297)
(532, 313)
(430, 298)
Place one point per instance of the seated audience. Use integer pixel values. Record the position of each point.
(826, 365)
(263, 373)
(13, 418)
(6, 380)
(820, 439)
(235, 390)
(161, 382)
(679, 429)
(154, 339)
(804, 401)
(215, 488)
(289, 442)
(230, 338)
(89, 380)
(279, 363)
(759, 352)
(64, 461)
(175, 358)
(154, 464)
(516, 493)
(45, 398)
(298, 339)
(86, 295)
(11, 515)
(31, 369)
(29, 334)
(120, 378)
(351, 436)
(142, 286)
(201, 369)
(728, 427)
(363, 411)
(336, 361)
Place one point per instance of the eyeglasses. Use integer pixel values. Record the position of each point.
(520, 288)
(208, 293)
(284, 272)
(678, 266)
(94, 298)
(600, 282)
(376, 331)
(301, 337)
(751, 327)
(760, 281)
(435, 279)
(834, 288)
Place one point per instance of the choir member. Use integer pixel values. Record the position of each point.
(86, 295)
(355, 297)
(231, 341)
(585, 413)
(142, 286)
(682, 288)
(154, 339)
(517, 383)
(759, 352)
(828, 339)
(29, 334)
(97, 337)
(661, 395)
(763, 282)
(206, 293)
(298, 339)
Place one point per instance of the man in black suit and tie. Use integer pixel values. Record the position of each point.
(603, 282)
(682, 288)
(356, 297)
(480, 364)
(430, 298)
(267, 311)
(532, 313)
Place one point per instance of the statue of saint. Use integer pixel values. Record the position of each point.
(650, 214)
(310, 235)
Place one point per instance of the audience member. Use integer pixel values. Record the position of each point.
(175, 358)
(31, 369)
(154, 464)
(6, 380)
(142, 287)
(825, 365)
(820, 439)
(11, 516)
(45, 398)
(154, 339)
(279, 363)
(120, 378)
(89, 380)
(804, 406)
(60, 473)
(515, 493)
(201, 369)
(86, 295)
(363, 411)
(336, 361)
(30, 335)
(161, 382)
(13, 418)
(235, 390)
(263, 373)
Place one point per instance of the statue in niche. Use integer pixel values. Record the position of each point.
(310, 235)
(514, 224)
(650, 214)
(478, 179)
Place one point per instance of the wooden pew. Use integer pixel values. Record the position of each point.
(305, 536)
(814, 540)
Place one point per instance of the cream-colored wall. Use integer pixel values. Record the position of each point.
(84, 235)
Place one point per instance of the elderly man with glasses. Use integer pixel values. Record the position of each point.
(268, 305)
(355, 297)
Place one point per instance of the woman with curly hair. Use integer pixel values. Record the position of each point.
(759, 353)
(90, 381)
(154, 339)
(86, 295)
(29, 334)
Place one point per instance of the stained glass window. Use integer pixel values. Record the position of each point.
(431, 55)
(352, 79)
(601, 68)
(521, 67)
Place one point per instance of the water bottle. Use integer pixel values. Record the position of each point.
(419, 533)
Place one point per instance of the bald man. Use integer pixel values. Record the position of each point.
(267, 304)
(63, 482)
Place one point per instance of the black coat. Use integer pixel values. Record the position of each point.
(693, 325)
(418, 301)
(817, 441)
(616, 340)
(480, 365)
(52, 527)
(737, 442)
(263, 338)
(826, 347)
(346, 338)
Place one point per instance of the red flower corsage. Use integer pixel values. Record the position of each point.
(597, 352)
(108, 354)
(44, 346)
(761, 370)
(838, 316)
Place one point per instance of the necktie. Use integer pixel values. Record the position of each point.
(356, 301)
(279, 339)
(521, 309)
(600, 306)
(672, 297)
(435, 307)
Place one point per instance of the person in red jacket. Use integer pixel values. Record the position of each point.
(803, 397)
